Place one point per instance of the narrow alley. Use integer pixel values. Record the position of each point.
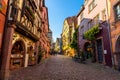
(64, 68)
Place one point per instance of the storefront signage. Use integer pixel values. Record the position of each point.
(105, 51)
(16, 62)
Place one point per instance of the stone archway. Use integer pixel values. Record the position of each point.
(117, 51)
(17, 58)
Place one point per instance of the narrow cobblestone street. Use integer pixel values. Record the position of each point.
(64, 68)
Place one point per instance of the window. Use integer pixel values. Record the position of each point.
(86, 1)
(0, 3)
(82, 30)
(117, 11)
(92, 5)
(89, 24)
(14, 10)
(104, 15)
(81, 16)
(96, 19)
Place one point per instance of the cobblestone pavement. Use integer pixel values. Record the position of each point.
(64, 68)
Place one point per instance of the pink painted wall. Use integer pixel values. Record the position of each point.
(101, 5)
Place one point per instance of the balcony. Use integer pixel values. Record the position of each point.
(94, 23)
(92, 32)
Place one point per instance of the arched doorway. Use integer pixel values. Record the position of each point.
(117, 51)
(87, 50)
(17, 55)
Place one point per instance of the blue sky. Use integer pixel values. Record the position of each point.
(58, 10)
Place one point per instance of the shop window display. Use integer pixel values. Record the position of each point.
(17, 55)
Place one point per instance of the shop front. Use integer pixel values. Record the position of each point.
(23, 52)
(17, 55)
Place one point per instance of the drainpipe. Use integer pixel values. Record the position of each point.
(4, 70)
(108, 21)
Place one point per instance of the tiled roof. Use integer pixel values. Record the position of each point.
(71, 20)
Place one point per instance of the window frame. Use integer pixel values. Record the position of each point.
(82, 30)
(0, 3)
(90, 24)
(115, 11)
(96, 19)
(92, 5)
(81, 16)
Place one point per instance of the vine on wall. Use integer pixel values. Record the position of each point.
(90, 34)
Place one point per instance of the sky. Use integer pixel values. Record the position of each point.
(58, 10)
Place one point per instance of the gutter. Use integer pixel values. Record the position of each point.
(108, 21)
(82, 8)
